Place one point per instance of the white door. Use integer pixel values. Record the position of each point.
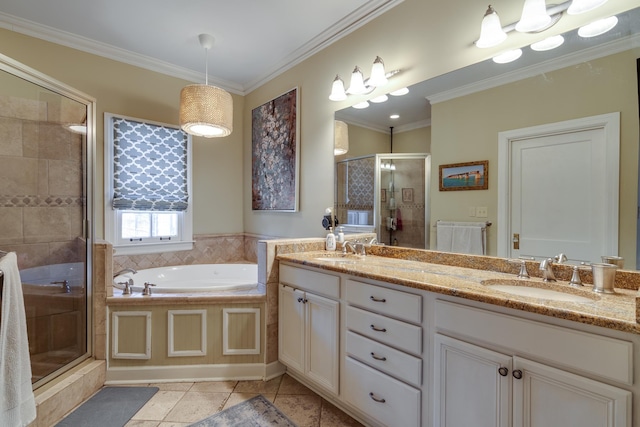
(558, 190)
(322, 341)
(546, 396)
(472, 385)
(291, 327)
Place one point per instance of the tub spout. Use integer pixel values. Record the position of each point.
(125, 270)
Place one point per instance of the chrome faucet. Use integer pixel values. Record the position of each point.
(64, 285)
(128, 285)
(125, 270)
(357, 248)
(546, 267)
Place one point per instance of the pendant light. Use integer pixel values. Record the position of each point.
(206, 110)
(534, 17)
(341, 138)
(491, 32)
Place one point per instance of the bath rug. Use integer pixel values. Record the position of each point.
(255, 412)
(110, 407)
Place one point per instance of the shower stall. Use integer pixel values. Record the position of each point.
(46, 169)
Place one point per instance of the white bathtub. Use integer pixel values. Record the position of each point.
(194, 278)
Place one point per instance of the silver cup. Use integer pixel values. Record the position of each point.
(604, 277)
(615, 260)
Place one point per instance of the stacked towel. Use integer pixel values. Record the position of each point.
(17, 402)
(461, 237)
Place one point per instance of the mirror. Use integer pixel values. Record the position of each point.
(568, 58)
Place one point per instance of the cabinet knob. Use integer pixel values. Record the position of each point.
(503, 371)
(300, 299)
(375, 356)
(374, 299)
(375, 328)
(517, 374)
(377, 399)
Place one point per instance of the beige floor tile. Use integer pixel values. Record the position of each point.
(172, 386)
(173, 424)
(261, 387)
(291, 386)
(304, 410)
(215, 386)
(159, 405)
(236, 398)
(331, 416)
(142, 423)
(196, 405)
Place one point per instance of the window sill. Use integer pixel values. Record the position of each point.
(152, 248)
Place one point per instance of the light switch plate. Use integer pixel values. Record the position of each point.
(472, 211)
(481, 211)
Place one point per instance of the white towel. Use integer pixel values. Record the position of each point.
(461, 237)
(17, 402)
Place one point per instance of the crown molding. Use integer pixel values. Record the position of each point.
(553, 64)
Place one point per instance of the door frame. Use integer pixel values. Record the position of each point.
(610, 123)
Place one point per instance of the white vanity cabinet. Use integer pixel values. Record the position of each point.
(383, 363)
(308, 325)
(475, 385)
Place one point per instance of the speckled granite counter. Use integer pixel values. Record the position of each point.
(614, 311)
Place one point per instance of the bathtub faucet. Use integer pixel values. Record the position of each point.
(64, 284)
(126, 270)
(127, 287)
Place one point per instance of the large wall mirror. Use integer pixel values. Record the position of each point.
(457, 118)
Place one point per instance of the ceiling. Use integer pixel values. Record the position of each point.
(255, 40)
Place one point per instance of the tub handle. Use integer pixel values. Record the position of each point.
(147, 289)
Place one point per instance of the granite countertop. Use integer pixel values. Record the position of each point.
(614, 311)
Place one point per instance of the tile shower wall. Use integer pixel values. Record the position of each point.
(41, 162)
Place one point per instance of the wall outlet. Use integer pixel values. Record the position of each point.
(481, 211)
(472, 211)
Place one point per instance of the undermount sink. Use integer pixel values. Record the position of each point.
(540, 290)
(335, 259)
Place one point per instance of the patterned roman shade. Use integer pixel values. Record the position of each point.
(150, 166)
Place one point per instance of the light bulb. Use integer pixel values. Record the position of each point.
(378, 76)
(534, 17)
(491, 32)
(337, 90)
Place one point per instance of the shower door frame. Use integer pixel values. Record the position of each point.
(31, 75)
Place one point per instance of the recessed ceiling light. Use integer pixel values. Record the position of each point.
(598, 27)
(508, 56)
(400, 92)
(548, 43)
(379, 99)
(361, 105)
(394, 116)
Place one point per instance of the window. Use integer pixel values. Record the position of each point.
(148, 180)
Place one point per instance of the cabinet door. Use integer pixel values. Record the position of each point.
(291, 327)
(322, 341)
(546, 396)
(472, 385)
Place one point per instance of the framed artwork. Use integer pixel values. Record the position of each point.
(275, 154)
(407, 195)
(383, 195)
(464, 176)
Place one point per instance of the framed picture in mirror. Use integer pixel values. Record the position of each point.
(275, 154)
(464, 176)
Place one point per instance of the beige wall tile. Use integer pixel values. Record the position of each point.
(18, 175)
(10, 137)
(65, 178)
(10, 226)
(45, 224)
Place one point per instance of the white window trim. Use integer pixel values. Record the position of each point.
(110, 221)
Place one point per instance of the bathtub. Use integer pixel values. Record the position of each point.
(194, 278)
(40, 279)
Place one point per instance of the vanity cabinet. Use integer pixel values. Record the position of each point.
(308, 325)
(499, 388)
(383, 364)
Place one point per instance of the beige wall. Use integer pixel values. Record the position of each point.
(413, 141)
(123, 89)
(466, 129)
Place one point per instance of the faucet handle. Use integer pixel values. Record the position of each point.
(127, 287)
(575, 277)
(147, 289)
(523, 273)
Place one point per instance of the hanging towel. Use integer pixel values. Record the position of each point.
(461, 237)
(17, 402)
(398, 220)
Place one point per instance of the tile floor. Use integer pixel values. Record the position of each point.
(180, 404)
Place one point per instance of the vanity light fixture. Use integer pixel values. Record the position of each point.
(598, 27)
(534, 17)
(359, 85)
(509, 56)
(206, 110)
(582, 6)
(491, 32)
(548, 43)
(341, 138)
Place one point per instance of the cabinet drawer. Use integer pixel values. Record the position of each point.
(391, 361)
(383, 398)
(319, 283)
(384, 329)
(398, 304)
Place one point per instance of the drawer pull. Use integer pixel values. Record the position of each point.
(374, 299)
(302, 300)
(375, 356)
(517, 374)
(503, 371)
(377, 399)
(378, 329)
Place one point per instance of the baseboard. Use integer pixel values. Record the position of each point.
(273, 370)
(195, 373)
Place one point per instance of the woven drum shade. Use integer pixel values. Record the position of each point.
(341, 142)
(206, 111)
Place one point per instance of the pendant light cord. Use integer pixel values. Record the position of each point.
(206, 66)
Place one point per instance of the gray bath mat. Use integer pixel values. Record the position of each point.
(255, 412)
(110, 407)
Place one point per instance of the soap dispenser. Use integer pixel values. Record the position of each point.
(340, 235)
(330, 243)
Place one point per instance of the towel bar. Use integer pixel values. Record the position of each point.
(488, 223)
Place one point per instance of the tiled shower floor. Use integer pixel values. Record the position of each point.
(180, 404)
